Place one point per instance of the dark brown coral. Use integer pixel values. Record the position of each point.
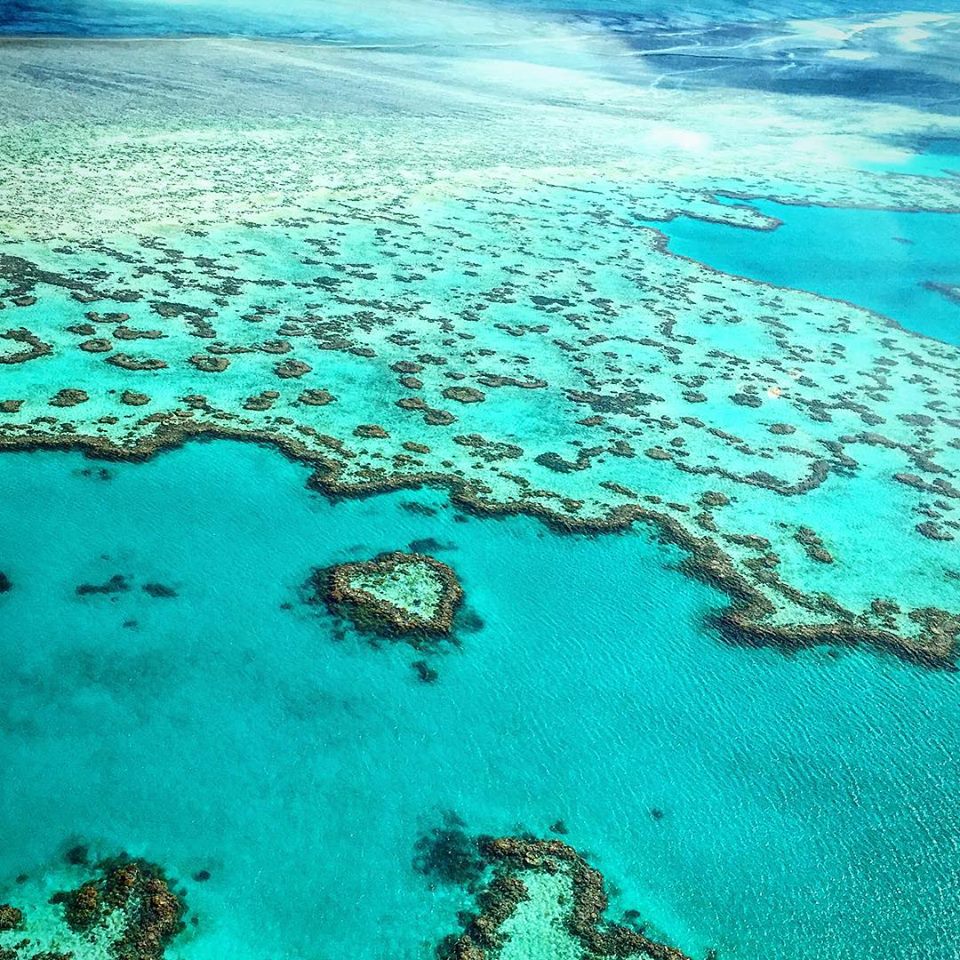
(153, 912)
(10, 917)
(510, 857)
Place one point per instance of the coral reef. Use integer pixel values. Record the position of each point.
(159, 590)
(118, 583)
(126, 909)
(152, 912)
(448, 855)
(69, 397)
(596, 381)
(404, 594)
(512, 860)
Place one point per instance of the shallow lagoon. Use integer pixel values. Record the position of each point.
(299, 764)
(875, 258)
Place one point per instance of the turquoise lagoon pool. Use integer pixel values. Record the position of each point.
(874, 258)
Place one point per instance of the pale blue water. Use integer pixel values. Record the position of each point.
(874, 258)
(809, 802)
(928, 157)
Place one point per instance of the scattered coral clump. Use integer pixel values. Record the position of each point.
(127, 909)
(10, 917)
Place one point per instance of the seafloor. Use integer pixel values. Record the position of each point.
(664, 363)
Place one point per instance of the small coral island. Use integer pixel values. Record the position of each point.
(126, 909)
(403, 594)
(533, 878)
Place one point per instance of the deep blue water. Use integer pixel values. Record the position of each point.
(875, 258)
(347, 21)
(704, 42)
(809, 803)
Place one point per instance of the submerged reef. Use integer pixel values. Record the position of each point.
(125, 908)
(401, 594)
(552, 879)
(394, 319)
(447, 854)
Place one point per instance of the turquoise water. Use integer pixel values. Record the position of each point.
(809, 802)
(463, 183)
(874, 258)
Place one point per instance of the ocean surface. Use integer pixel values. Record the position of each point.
(773, 47)
(807, 801)
(341, 20)
(887, 261)
(441, 197)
